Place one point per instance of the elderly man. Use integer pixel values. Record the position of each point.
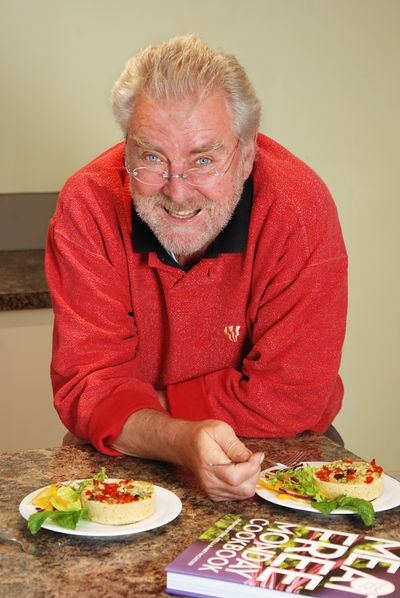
(198, 278)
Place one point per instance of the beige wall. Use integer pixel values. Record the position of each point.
(27, 418)
(327, 73)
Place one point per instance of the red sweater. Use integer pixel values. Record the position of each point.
(126, 323)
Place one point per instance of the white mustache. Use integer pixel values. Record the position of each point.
(188, 206)
(174, 207)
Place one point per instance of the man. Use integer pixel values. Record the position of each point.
(215, 307)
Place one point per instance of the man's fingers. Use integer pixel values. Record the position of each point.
(237, 451)
(226, 445)
(233, 473)
(225, 467)
(236, 481)
(224, 491)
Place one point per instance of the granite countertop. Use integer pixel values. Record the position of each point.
(67, 565)
(22, 280)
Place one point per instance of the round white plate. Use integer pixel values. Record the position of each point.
(388, 500)
(168, 506)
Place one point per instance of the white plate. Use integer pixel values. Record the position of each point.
(168, 506)
(388, 500)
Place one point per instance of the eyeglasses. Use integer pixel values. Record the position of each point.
(155, 174)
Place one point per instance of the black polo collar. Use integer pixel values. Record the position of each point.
(233, 239)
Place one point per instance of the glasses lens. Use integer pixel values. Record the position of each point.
(148, 176)
(199, 177)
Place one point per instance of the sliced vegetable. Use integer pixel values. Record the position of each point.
(66, 499)
(61, 503)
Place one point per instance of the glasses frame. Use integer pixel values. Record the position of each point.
(167, 176)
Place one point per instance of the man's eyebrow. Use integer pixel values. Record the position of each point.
(209, 147)
(143, 143)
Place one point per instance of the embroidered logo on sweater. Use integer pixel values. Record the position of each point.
(232, 332)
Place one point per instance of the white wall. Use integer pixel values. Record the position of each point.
(327, 74)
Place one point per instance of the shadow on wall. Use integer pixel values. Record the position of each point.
(24, 219)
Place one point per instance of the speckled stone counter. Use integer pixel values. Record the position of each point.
(133, 566)
(22, 280)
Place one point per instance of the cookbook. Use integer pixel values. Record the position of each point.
(240, 558)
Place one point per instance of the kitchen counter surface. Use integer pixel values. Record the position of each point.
(133, 566)
(22, 280)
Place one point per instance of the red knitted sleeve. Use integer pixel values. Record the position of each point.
(95, 381)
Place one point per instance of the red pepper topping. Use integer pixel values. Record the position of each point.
(323, 474)
(343, 473)
(113, 492)
(376, 467)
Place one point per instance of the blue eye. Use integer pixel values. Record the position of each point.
(204, 161)
(152, 158)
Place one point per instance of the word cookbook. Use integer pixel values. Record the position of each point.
(238, 558)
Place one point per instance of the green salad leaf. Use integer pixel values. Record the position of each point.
(362, 507)
(299, 482)
(67, 505)
(67, 519)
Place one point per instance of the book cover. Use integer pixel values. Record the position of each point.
(238, 558)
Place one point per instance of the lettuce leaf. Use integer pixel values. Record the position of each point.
(67, 519)
(362, 507)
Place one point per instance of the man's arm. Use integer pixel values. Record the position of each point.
(197, 446)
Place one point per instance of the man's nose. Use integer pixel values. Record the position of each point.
(177, 188)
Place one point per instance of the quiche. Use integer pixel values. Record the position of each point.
(118, 502)
(357, 479)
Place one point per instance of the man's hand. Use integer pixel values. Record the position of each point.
(225, 467)
(201, 446)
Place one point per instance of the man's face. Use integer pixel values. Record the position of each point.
(178, 135)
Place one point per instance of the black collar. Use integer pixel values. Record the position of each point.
(232, 239)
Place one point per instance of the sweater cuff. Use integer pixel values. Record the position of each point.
(188, 400)
(111, 414)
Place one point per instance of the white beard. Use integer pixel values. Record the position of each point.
(187, 239)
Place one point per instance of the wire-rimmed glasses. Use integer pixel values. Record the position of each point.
(157, 175)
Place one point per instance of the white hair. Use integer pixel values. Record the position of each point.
(184, 66)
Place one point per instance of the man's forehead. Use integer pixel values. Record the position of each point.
(204, 123)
